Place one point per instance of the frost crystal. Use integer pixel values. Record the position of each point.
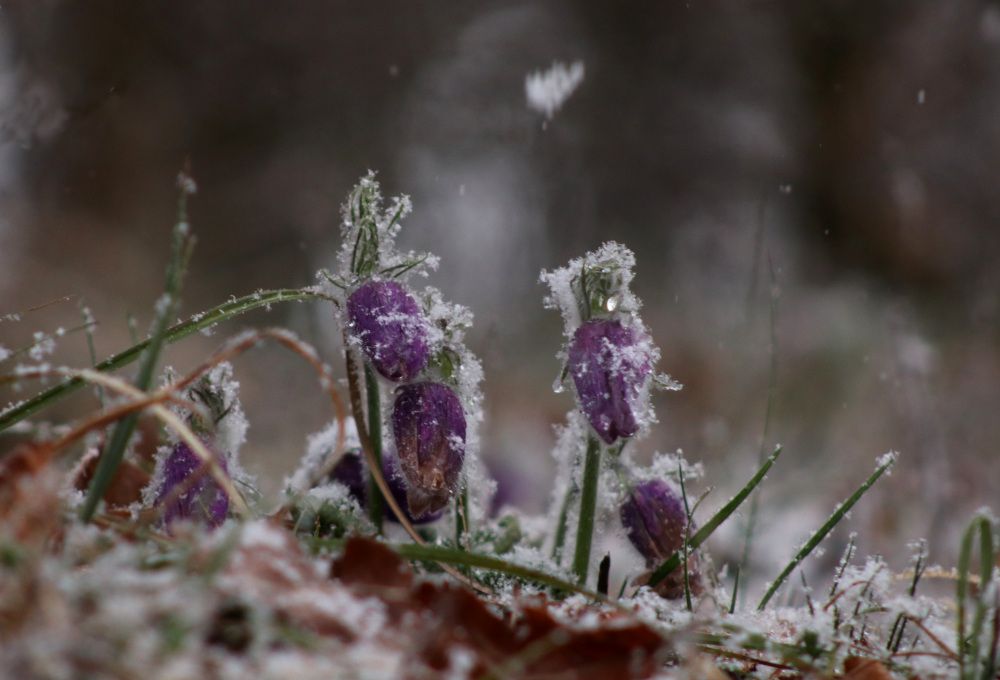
(548, 90)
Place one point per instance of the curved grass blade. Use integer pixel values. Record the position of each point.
(195, 323)
(827, 527)
(718, 518)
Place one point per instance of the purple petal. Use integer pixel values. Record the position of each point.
(203, 500)
(609, 368)
(391, 328)
(654, 519)
(428, 424)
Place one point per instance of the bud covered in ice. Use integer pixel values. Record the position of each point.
(391, 328)
(655, 520)
(610, 364)
(428, 424)
(188, 491)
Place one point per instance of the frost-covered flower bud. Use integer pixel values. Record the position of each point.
(350, 472)
(654, 519)
(610, 364)
(391, 327)
(394, 478)
(202, 500)
(429, 428)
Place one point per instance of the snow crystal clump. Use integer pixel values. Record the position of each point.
(319, 447)
(548, 90)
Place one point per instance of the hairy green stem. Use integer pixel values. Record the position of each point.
(588, 507)
(223, 312)
(375, 435)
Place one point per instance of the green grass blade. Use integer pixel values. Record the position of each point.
(772, 389)
(827, 527)
(561, 523)
(968, 647)
(197, 322)
(166, 308)
(718, 518)
(437, 553)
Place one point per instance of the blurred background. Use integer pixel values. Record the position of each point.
(838, 158)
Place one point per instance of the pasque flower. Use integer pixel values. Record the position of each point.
(202, 500)
(428, 424)
(350, 471)
(655, 520)
(610, 365)
(391, 328)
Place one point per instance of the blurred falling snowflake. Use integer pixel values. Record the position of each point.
(548, 90)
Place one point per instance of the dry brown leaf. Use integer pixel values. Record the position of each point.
(859, 668)
(531, 645)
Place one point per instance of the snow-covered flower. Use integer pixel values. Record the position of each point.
(203, 500)
(350, 472)
(428, 425)
(655, 520)
(610, 364)
(391, 328)
(608, 352)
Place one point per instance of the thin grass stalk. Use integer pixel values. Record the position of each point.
(588, 508)
(374, 422)
(822, 532)
(736, 588)
(561, 524)
(772, 384)
(114, 452)
(717, 519)
(462, 526)
(195, 323)
(687, 537)
(968, 647)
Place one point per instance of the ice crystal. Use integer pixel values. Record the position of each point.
(548, 90)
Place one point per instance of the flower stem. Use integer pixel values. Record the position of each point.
(588, 505)
(375, 435)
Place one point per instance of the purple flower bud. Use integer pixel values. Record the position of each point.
(202, 500)
(391, 328)
(394, 478)
(610, 364)
(429, 427)
(654, 518)
(350, 472)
